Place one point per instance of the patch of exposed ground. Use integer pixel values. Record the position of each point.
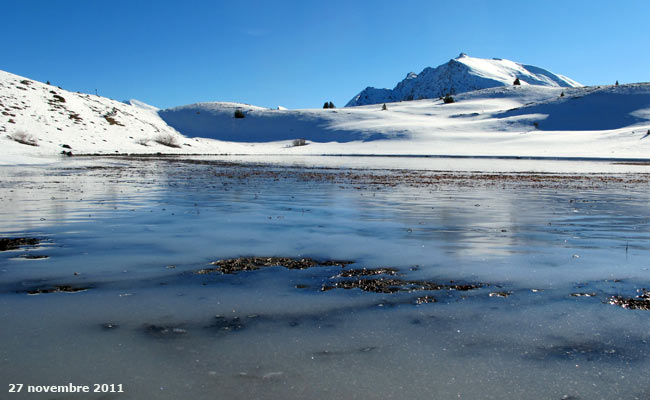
(394, 285)
(58, 289)
(34, 257)
(638, 302)
(234, 265)
(16, 243)
(377, 280)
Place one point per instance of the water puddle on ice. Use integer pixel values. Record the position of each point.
(202, 278)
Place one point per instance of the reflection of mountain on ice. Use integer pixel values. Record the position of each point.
(81, 190)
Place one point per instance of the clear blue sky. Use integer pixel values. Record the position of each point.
(299, 54)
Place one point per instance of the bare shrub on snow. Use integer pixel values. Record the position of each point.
(299, 142)
(24, 138)
(167, 139)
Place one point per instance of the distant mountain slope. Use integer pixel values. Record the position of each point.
(460, 75)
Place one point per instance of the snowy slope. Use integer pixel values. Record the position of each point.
(527, 120)
(216, 121)
(51, 120)
(459, 75)
(523, 121)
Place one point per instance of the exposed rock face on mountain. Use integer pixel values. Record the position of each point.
(462, 74)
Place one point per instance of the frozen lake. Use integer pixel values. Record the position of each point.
(505, 283)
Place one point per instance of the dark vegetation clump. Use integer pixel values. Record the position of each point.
(448, 99)
(58, 289)
(639, 302)
(233, 265)
(167, 140)
(58, 98)
(384, 108)
(299, 142)
(24, 138)
(109, 117)
(112, 121)
(516, 82)
(370, 281)
(239, 113)
(329, 104)
(15, 243)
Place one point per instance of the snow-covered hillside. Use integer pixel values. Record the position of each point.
(526, 120)
(520, 121)
(460, 75)
(216, 121)
(38, 118)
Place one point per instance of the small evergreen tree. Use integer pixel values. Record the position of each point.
(239, 113)
(384, 108)
(516, 82)
(562, 94)
(331, 105)
(448, 99)
(616, 83)
(326, 105)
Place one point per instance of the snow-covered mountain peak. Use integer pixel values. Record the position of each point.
(459, 75)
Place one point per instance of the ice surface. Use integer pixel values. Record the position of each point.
(136, 230)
